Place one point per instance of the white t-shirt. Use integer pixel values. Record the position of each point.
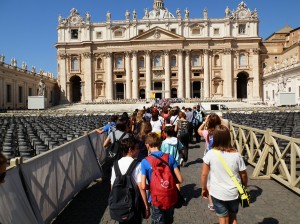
(221, 185)
(156, 125)
(124, 164)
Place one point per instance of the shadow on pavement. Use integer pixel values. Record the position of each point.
(189, 192)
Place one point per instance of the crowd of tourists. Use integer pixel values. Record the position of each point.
(146, 151)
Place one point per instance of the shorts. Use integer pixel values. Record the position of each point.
(223, 208)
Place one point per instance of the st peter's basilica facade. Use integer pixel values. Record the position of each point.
(162, 54)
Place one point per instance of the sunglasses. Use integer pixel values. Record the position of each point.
(2, 176)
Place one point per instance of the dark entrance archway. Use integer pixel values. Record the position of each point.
(76, 89)
(142, 94)
(120, 91)
(173, 93)
(158, 86)
(241, 85)
(196, 89)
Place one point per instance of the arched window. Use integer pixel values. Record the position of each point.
(74, 64)
(196, 31)
(141, 62)
(99, 63)
(196, 61)
(173, 61)
(243, 60)
(157, 61)
(217, 60)
(119, 62)
(118, 33)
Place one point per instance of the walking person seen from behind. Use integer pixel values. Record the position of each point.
(223, 191)
(158, 169)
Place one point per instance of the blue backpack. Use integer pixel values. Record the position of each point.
(198, 118)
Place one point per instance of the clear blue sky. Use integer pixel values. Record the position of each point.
(28, 27)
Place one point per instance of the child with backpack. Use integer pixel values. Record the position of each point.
(160, 170)
(172, 145)
(127, 200)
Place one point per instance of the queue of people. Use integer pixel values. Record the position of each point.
(159, 139)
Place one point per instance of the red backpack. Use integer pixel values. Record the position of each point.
(163, 188)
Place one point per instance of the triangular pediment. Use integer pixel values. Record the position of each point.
(157, 33)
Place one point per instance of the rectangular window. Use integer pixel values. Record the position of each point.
(30, 92)
(157, 61)
(74, 64)
(142, 75)
(119, 76)
(140, 32)
(196, 60)
(74, 33)
(173, 30)
(20, 94)
(290, 89)
(118, 33)
(196, 74)
(99, 35)
(216, 31)
(174, 74)
(242, 28)
(8, 93)
(273, 94)
(196, 31)
(119, 62)
(267, 95)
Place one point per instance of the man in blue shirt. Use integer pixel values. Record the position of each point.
(111, 126)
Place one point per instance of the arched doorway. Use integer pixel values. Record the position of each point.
(142, 94)
(76, 89)
(241, 85)
(158, 86)
(196, 89)
(120, 91)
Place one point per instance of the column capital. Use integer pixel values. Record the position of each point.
(134, 53)
(87, 54)
(187, 51)
(108, 54)
(148, 53)
(179, 51)
(127, 54)
(227, 51)
(207, 51)
(255, 51)
(166, 52)
(63, 56)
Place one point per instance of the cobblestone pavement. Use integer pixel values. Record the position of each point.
(272, 203)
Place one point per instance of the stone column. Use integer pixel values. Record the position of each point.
(180, 75)
(235, 88)
(88, 77)
(187, 75)
(83, 94)
(256, 76)
(167, 75)
(206, 74)
(148, 74)
(227, 68)
(63, 78)
(135, 81)
(109, 76)
(68, 91)
(2, 93)
(128, 75)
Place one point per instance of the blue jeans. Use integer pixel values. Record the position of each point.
(224, 208)
(162, 216)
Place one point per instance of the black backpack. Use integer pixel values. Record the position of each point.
(114, 151)
(124, 197)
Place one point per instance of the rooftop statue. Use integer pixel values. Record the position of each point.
(186, 13)
(24, 65)
(127, 15)
(134, 14)
(227, 12)
(2, 57)
(88, 17)
(178, 13)
(33, 69)
(14, 62)
(108, 16)
(205, 13)
(146, 13)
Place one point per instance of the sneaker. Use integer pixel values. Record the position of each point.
(211, 207)
(181, 162)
